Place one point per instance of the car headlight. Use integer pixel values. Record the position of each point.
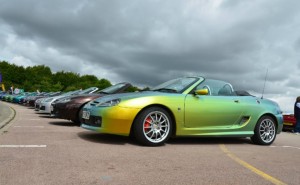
(109, 103)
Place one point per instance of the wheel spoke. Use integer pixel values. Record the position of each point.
(158, 133)
(163, 131)
(163, 121)
(152, 119)
(152, 134)
(149, 131)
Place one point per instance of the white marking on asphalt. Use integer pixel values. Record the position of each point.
(23, 146)
(294, 147)
(29, 126)
(35, 119)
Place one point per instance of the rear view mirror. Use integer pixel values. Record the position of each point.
(201, 92)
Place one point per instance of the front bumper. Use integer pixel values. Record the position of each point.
(114, 120)
(65, 111)
(45, 108)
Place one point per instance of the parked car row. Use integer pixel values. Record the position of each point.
(16, 98)
(188, 106)
(45, 102)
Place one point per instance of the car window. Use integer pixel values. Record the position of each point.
(176, 85)
(216, 87)
(112, 89)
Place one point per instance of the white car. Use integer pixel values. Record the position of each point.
(37, 103)
(45, 103)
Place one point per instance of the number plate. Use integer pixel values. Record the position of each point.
(85, 114)
(51, 108)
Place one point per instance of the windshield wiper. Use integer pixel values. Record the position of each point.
(166, 90)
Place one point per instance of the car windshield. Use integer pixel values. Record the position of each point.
(89, 90)
(71, 93)
(111, 89)
(176, 85)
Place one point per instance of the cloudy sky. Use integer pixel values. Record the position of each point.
(147, 42)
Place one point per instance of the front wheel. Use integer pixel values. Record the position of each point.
(153, 126)
(78, 119)
(265, 131)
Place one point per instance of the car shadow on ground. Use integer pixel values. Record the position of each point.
(208, 141)
(43, 115)
(64, 123)
(105, 138)
(121, 140)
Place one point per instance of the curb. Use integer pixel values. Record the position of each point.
(9, 119)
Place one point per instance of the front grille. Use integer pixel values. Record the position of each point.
(95, 121)
(43, 108)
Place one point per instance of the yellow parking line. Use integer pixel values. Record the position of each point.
(250, 167)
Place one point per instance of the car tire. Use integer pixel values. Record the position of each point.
(78, 119)
(265, 131)
(152, 127)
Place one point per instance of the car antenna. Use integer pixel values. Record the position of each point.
(262, 95)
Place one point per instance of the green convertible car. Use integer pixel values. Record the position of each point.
(189, 106)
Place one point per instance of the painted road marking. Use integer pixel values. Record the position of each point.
(23, 146)
(29, 126)
(250, 167)
(294, 147)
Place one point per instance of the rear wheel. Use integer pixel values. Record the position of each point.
(265, 131)
(153, 126)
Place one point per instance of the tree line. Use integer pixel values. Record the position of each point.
(41, 78)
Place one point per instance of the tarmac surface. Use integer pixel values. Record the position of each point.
(36, 149)
(6, 114)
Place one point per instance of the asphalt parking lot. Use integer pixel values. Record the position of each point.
(36, 149)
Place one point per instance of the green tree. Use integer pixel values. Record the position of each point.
(103, 83)
(41, 78)
(66, 79)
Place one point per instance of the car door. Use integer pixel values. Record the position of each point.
(220, 109)
(212, 112)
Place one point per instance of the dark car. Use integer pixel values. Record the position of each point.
(289, 122)
(70, 107)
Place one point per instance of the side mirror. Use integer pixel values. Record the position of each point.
(201, 92)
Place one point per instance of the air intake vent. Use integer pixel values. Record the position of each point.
(244, 120)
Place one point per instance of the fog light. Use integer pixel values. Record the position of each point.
(98, 121)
